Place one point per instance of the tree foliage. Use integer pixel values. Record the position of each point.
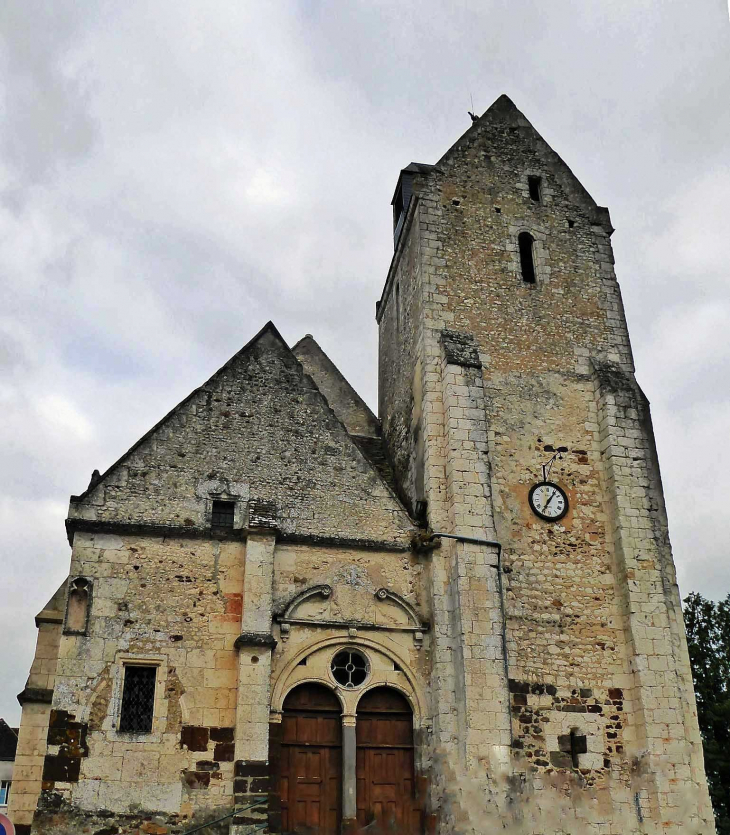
(708, 638)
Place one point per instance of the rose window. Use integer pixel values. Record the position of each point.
(350, 668)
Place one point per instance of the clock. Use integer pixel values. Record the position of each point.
(548, 501)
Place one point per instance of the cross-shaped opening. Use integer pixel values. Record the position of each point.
(574, 744)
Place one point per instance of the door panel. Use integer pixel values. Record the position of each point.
(310, 782)
(385, 764)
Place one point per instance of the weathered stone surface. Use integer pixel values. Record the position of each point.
(583, 596)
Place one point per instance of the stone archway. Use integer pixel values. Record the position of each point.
(386, 778)
(310, 762)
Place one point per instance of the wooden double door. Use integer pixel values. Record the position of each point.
(311, 766)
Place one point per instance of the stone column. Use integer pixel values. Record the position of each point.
(255, 646)
(349, 774)
(36, 701)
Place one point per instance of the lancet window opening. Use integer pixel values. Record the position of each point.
(526, 244)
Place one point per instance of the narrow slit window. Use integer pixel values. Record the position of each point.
(223, 514)
(138, 699)
(526, 244)
(535, 186)
(397, 308)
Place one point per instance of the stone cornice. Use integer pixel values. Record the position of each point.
(225, 534)
(35, 695)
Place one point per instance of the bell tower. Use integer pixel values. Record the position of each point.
(517, 430)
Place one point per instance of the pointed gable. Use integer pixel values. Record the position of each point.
(259, 430)
(344, 401)
(502, 134)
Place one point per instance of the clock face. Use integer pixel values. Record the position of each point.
(548, 501)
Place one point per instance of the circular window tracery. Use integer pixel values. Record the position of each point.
(350, 668)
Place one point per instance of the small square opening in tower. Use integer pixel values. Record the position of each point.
(535, 186)
(223, 514)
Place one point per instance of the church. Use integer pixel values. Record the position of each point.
(284, 614)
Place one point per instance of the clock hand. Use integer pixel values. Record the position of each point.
(552, 496)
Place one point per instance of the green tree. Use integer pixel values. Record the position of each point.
(708, 638)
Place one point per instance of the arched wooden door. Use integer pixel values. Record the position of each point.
(386, 780)
(310, 776)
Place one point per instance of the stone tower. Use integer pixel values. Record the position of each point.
(558, 643)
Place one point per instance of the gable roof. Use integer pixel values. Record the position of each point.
(259, 428)
(97, 479)
(350, 408)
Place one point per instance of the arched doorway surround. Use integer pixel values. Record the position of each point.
(387, 672)
(390, 666)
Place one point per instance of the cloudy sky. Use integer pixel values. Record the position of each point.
(174, 174)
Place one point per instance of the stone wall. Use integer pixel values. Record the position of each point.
(199, 611)
(172, 604)
(399, 360)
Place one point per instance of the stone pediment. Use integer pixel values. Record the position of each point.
(343, 606)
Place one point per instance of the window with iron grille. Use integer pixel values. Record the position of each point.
(138, 699)
(223, 514)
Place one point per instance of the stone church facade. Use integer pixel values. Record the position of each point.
(461, 617)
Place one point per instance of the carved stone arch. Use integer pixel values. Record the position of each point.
(94, 707)
(404, 691)
(323, 590)
(311, 680)
(402, 603)
(286, 680)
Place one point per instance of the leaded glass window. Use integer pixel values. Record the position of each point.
(350, 668)
(138, 699)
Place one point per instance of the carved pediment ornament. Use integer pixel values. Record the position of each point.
(290, 616)
(324, 591)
